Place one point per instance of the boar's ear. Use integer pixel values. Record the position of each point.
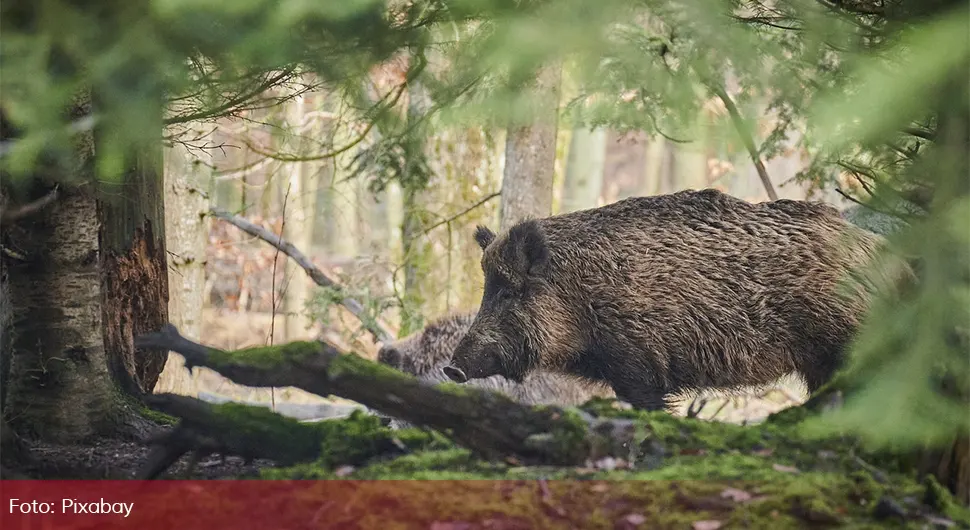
(530, 254)
(484, 236)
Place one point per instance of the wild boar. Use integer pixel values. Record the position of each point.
(661, 295)
(425, 353)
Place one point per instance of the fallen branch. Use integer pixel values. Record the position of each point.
(321, 278)
(489, 424)
(256, 433)
(746, 138)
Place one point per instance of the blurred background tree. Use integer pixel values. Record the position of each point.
(374, 134)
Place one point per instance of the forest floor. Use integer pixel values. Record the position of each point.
(113, 458)
(108, 458)
(690, 473)
(726, 468)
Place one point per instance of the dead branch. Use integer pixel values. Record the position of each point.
(741, 127)
(448, 220)
(489, 424)
(10, 215)
(378, 329)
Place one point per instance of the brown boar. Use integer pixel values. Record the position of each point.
(425, 353)
(661, 295)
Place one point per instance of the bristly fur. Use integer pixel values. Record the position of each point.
(659, 295)
(484, 236)
(425, 353)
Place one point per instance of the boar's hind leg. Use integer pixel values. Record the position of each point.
(820, 369)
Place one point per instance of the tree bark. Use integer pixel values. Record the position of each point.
(530, 156)
(415, 249)
(60, 386)
(298, 224)
(584, 169)
(187, 185)
(63, 373)
(134, 271)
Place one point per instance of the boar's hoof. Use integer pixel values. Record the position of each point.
(455, 374)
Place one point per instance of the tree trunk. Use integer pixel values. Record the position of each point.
(134, 271)
(656, 152)
(298, 227)
(60, 384)
(584, 169)
(188, 180)
(414, 247)
(78, 298)
(530, 155)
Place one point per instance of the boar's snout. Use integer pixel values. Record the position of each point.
(390, 356)
(455, 374)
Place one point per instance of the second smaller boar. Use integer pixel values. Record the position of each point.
(425, 353)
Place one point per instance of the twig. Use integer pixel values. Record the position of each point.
(921, 132)
(719, 409)
(10, 215)
(741, 127)
(701, 402)
(463, 212)
(276, 258)
(321, 278)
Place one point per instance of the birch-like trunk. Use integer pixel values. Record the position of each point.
(93, 277)
(188, 183)
(298, 227)
(530, 156)
(584, 169)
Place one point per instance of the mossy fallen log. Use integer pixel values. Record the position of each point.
(687, 471)
(490, 425)
(255, 432)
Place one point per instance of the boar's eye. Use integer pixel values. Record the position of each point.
(496, 285)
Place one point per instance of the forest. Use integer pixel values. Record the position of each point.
(710, 258)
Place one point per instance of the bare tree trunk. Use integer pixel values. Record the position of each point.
(530, 154)
(134, 270)
(656, 151)
(76, 315)
(298, 227)
(584, 169)
(60, 384)
(188, 180)
(414, 248)
(342, 195)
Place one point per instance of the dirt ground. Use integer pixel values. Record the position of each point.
(120, 459)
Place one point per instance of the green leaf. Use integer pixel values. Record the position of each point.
(890, 92)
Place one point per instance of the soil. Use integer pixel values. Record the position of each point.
(107, 458)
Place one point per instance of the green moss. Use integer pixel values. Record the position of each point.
(448, 464)
(266, 357)
(357, 365)
(569, 438)
(356, 440)
(251, 426)
(788, 482)
(158, 417)
(940, 499)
